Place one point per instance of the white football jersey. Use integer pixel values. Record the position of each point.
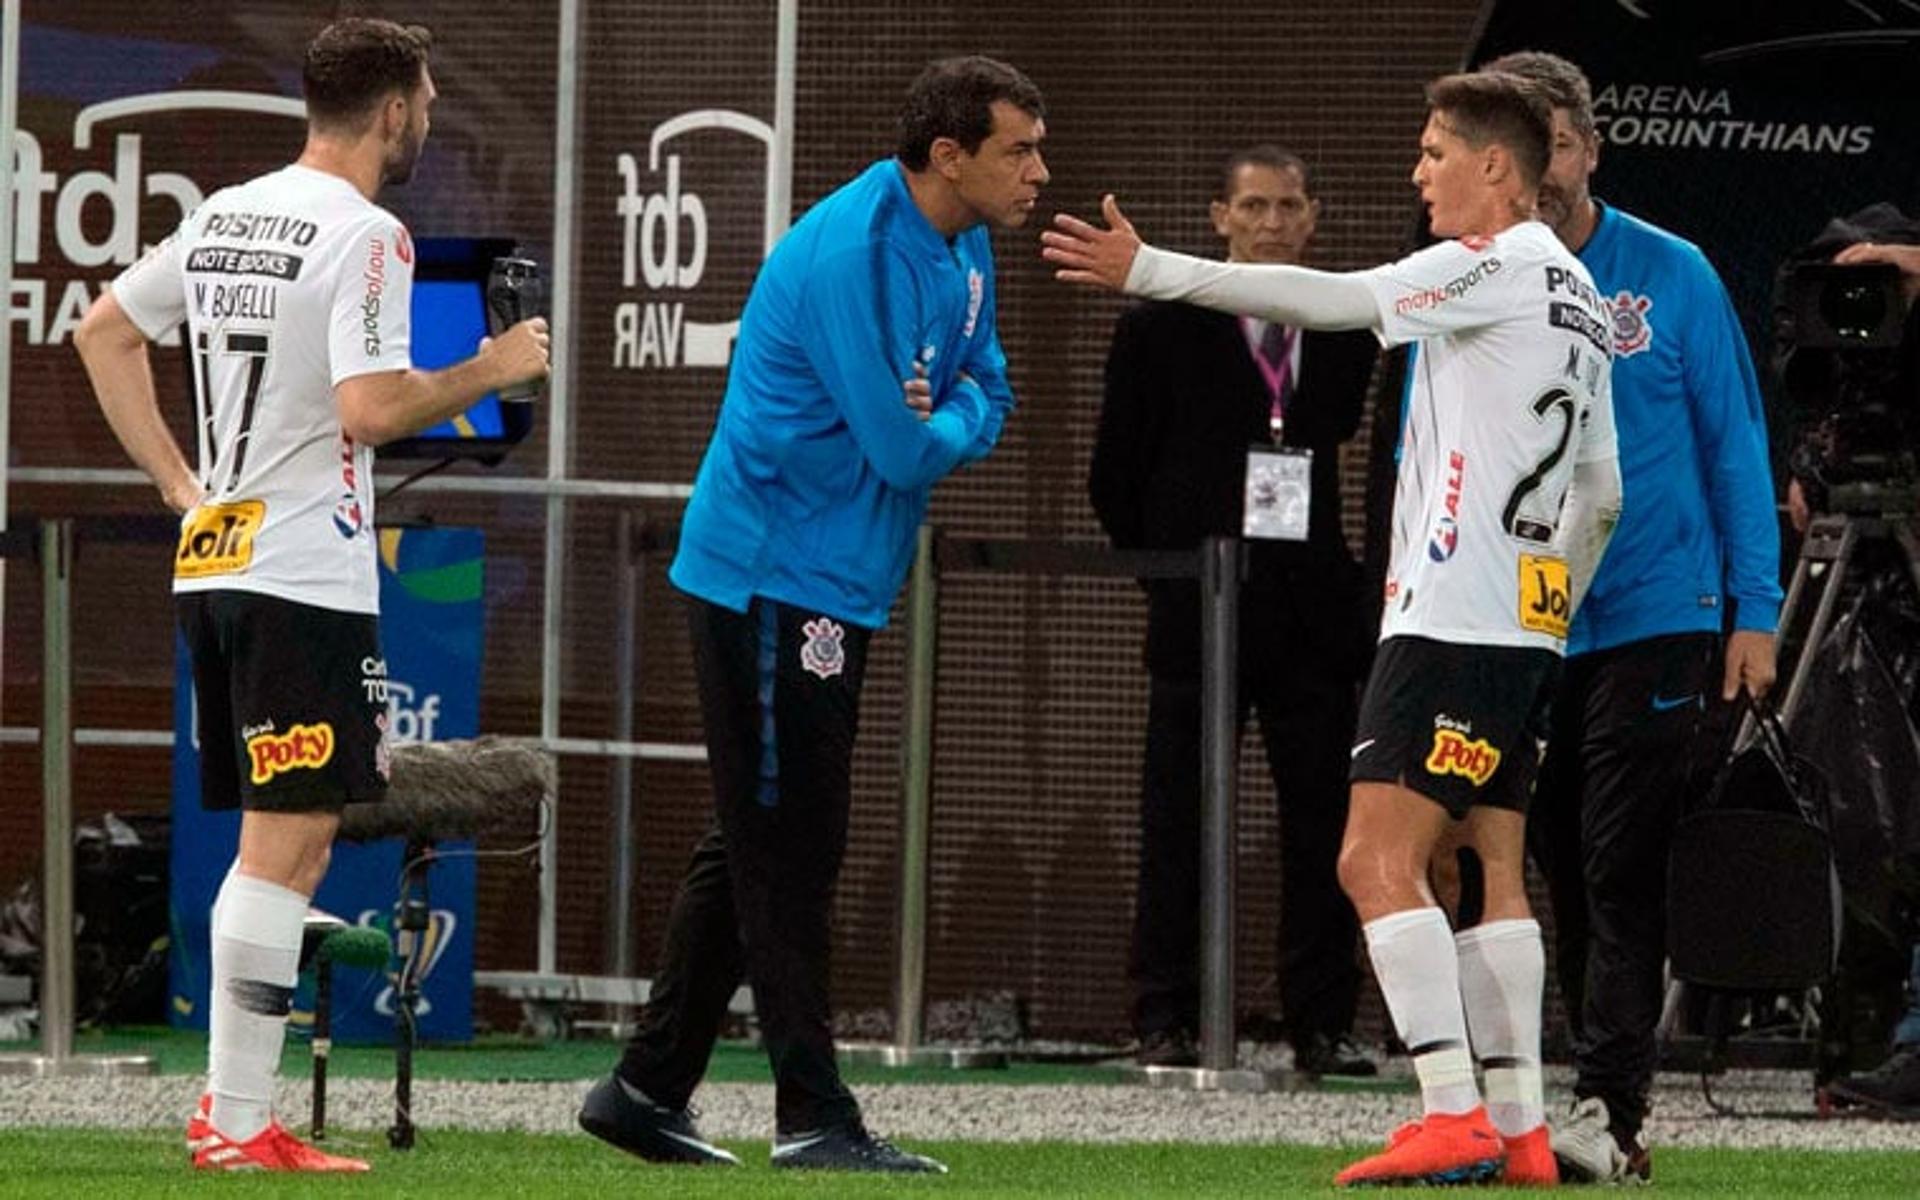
(1510, 388)
(288, 283)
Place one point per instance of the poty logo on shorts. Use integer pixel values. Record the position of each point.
(1454, 754)
(822, 652)
(1632, 331)
(301, 748)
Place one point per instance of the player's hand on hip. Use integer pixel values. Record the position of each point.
(1750, 663)
(184, 495)
(1084, 253)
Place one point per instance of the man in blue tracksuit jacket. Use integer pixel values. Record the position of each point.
(1697, 537)
(868, 367)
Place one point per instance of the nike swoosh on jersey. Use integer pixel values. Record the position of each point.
(1361, 747)
(1669, 703)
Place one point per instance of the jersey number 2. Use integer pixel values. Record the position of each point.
(1533, 527)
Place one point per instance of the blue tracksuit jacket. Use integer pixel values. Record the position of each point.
(818, 474)
(1698, 516)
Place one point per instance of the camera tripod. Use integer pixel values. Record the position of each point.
(1827, 557)
(1835, 556)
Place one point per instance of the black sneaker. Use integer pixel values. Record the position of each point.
(620, 1114)
(1167, 1048)
(1891, 1089)
(848, 1148)
(1319, 1054)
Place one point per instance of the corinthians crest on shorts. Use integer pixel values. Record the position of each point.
(822, 652)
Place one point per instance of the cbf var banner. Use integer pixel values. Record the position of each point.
(430, 632)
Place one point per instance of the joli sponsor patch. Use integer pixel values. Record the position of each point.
(217, 539)
(1546, 595)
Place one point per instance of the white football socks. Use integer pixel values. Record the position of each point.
(1419, 973)
(1503, 970)
(256, 959)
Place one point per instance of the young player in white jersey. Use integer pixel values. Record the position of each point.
(1508, 492)
(295, 290)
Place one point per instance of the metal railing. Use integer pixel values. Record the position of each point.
(1218, 566)
(54, 543)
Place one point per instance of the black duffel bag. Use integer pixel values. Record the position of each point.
(1753, 896)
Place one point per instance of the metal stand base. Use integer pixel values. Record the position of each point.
(953, 1058)
(44, 1066)
(1203, 1079)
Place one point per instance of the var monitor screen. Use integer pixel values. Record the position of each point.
(449, 319)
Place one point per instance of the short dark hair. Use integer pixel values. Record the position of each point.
(353, 63)
(954, 98)
(1493, 107)
(1565, 84)
(1266, 154)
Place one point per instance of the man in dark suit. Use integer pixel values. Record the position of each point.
(1188, 391)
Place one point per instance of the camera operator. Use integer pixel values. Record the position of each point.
(1891, 1089)
(1907, 259)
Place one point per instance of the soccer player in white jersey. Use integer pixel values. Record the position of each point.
(1508, 491)
(294, 288)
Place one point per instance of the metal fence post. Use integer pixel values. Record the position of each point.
(1219, 782)
(56, 781)
(916, 828)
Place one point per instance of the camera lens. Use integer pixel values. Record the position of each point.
(1854, 311)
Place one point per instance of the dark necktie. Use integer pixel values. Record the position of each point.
(1276, 346)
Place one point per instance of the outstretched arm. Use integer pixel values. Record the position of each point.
(1116, 258)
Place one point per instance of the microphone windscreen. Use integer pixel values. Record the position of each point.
(454, 790)
(357, 946)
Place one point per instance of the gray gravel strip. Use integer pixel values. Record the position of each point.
(973, 1112)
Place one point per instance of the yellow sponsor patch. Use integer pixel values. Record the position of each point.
(1453, 754)
(217, 539)
(304, 747)
(1546, 595)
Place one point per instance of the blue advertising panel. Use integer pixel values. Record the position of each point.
(430, 630)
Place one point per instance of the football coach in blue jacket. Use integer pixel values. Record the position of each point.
(868, 367)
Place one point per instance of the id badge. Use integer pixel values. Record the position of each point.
(1279, 493)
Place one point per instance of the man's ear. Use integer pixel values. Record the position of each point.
(393, 116)
(944, 156)
(1496, 163)
(1218, 210)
